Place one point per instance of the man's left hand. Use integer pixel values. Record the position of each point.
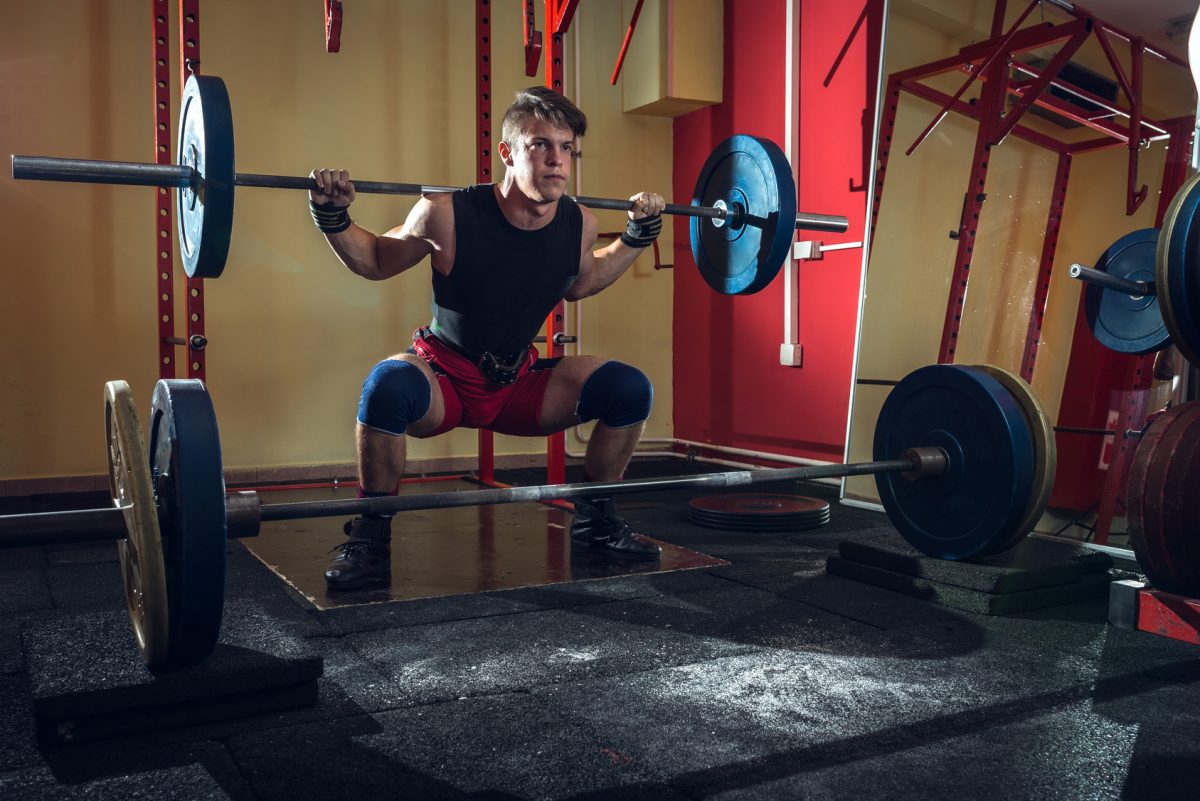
(646, 204)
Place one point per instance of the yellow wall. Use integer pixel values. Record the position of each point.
(292, 333)
(912, 256)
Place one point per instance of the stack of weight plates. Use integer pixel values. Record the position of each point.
(759, 512)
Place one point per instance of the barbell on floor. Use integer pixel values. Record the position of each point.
(745, 192)
(963, 459)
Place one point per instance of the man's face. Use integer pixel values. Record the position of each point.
(541, 161)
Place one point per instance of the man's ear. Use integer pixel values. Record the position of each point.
(505, 152)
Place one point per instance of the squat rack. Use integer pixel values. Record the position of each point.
(995, 63)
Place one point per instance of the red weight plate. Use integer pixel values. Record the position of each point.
(1143, 513)
(1173, 575)
(1181, 509)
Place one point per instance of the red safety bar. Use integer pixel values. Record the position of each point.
(637, 11)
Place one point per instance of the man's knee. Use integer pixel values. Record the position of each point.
(617, 395)
(395, 394)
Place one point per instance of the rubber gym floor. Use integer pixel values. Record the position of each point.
(762, 677)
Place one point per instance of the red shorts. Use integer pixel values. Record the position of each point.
(471, 400)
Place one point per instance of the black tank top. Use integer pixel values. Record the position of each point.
(504, 281)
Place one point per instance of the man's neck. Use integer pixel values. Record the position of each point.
(519, 210)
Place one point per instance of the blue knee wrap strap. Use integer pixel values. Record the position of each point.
(617, 395)
(395, 394)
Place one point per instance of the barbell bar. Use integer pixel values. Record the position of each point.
(743, 210)
(246, 511)
(963, 458)
(131, 173)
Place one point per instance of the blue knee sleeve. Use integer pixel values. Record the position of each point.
(395, 394)
(617, 395)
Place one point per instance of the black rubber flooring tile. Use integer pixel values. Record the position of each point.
(21, 559)
(742, 718)
(185, 781)
(421, 611)
(498, 747)
(86, 587)
(18, 738)
(617, 588)
(807, 582)
(512, 652)
(248, 579)
(81, 554)
(1062, 752)
(105, 766)
(25, 590)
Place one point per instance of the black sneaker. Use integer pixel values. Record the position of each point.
(365, 558)
(598, 527)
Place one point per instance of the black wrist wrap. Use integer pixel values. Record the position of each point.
(642, 233)
(330, 217)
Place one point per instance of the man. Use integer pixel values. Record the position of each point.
(503, 255)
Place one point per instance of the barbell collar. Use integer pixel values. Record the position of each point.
(88, 171)
(1137, 289)
(562, 492)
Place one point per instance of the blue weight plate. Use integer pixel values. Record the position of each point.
(1120, 321)
(752, 173)
(189, 487)
(206, 143)
(980, 425)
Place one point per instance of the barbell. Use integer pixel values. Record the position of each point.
(963, 460)
(743, 209)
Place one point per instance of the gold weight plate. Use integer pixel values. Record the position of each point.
(1044, 449)
(1169, 254)
(140, 553)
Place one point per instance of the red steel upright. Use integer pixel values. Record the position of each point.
(559, 14)
(483, 172)
(163, 219)
(189, 63)
(1041, 292)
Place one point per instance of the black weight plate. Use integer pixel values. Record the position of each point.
(752, 173)
(1123, 322)
(206, 143)
(751, 505)
(189, 484)
(759, 525)
(753, 520)
(1045, 452)
(984, 494)
(1166, 492)
(1177, 270)
(1144, 500)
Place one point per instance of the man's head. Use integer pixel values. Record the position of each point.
(538, 141)
(537, 103)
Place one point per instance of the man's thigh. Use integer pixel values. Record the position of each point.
(560, 404)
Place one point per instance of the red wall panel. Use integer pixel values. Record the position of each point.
(729, 386)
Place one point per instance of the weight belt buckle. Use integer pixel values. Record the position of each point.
(499, 372)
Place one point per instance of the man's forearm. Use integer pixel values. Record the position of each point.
(356, 247)
(610, 264)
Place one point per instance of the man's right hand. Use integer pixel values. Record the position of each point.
(332, 186)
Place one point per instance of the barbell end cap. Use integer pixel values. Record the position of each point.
(1075, 270)
(926, 462)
